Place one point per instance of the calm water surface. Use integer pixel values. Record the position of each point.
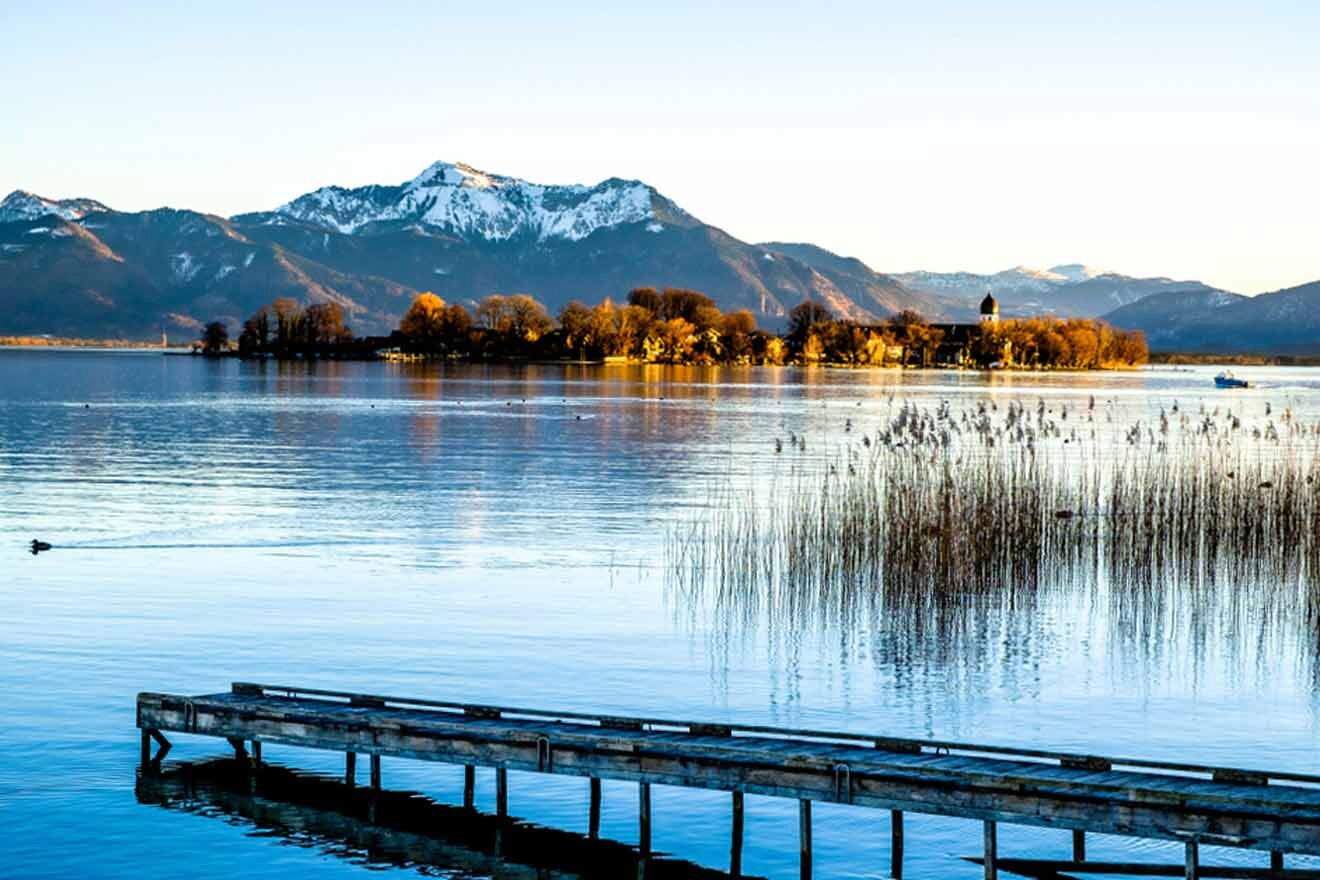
(497, 535)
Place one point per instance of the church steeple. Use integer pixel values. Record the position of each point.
(989, 309)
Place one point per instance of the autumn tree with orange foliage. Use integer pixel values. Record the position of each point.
(432, 326)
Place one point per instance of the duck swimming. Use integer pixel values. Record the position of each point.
(39, 546)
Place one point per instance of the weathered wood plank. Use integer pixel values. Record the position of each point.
(993, 772)
(891, 744)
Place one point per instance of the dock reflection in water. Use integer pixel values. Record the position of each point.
(401, 829)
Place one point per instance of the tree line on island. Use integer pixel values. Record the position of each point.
(675, 326)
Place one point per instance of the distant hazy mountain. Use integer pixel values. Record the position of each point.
(874, 291)
(1067, 290)
(1285, 321)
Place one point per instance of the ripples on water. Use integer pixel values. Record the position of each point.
(499, 535)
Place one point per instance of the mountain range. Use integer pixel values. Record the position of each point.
(76, 267)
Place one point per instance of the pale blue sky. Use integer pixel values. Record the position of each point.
(1180, 138)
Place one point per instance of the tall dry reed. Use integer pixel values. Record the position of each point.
(946, 519)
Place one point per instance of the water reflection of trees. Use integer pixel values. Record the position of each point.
(976, 540)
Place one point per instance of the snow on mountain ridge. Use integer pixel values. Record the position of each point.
(460, 198)
(21, 205)
(1076, 272)
(1019, 279)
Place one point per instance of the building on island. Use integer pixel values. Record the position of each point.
(961, 344)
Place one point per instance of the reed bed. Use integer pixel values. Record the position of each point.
(947, 520)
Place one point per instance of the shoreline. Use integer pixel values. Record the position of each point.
(187, 352)
(1157, 359)
(76, 342)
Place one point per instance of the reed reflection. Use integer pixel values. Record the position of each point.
(946, 537)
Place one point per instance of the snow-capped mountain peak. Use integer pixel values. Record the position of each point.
(21, 205)
(1019, 279)
(459, 199)
(1065, 273)
(452, 174)
(1028, 276)
(1076, 272)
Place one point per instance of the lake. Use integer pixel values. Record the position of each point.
(498, 534)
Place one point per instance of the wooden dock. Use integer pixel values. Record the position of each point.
(1276, 813)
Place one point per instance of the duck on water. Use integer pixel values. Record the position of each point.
(39, 546)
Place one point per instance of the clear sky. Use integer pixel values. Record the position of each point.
(1173, 138)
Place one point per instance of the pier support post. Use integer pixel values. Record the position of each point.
(501, 792)
(736, 836)
(896, 844)
(804, 839)
(151, 765)
(469, 786)
(644, 817)
(256, 753)
(1193, 871)
(1079, 846)
(991, 851)
(350, 769)
(593, 813)
(374, 798)
(1276, 863)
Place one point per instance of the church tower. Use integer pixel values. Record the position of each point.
(989, 310)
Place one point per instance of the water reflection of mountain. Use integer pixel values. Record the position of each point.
(397, 828)
(557, 461)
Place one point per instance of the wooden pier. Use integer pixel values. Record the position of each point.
(1276, 813)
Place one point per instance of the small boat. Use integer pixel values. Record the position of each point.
(1227, 380)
